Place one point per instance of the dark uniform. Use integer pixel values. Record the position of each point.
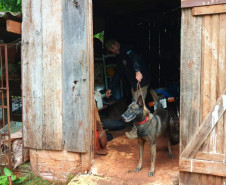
(128, 63)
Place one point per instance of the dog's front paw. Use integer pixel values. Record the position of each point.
(150, 174)
(137, 169)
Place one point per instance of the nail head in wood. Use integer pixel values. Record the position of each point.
(75, 3)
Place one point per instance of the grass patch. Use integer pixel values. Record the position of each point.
(33, 179)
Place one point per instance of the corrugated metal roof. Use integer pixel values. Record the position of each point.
(9, 15)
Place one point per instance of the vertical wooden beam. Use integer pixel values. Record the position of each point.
(204, 179)
(222, 70)
(206, 70)
(213, 77)
(77, 76)
(190, 80)
(190, 76)
(32, 78)
(89, 155)
(52, 74)
(42, 74)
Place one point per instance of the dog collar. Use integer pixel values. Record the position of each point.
(139, 123)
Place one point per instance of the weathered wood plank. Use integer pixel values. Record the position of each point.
(210, 156)
(52, 74)
(184, 178)
(13, 26)
(42, 79)
(214, 9)
(193, 3)
(218, 180)
(58, 52)
(211, 179)
(190, 76)
(32, 77)
(204, 179)
(206, 167)
(206, 71)
(222, 71)
(223, 180)
(77, 86)
(221, 82)
(91, 135)
(205, 128)
(213, 79)
(187, 178)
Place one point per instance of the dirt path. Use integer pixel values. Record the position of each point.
(117, 167)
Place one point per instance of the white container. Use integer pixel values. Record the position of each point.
(98, 98)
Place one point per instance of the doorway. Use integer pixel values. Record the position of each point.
(153, 28)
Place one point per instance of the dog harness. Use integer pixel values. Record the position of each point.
(139, 123)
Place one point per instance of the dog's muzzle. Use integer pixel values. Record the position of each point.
(128, 118)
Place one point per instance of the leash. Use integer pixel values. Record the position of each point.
(139, 89)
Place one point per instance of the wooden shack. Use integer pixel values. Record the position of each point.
(203, 92)
(58, 86)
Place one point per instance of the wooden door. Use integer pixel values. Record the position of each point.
(203, 93)
(57, 80)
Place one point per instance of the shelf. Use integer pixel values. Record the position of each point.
(4, 107)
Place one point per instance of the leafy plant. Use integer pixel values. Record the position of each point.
(8, 173)
(100, 36)
(10, 5)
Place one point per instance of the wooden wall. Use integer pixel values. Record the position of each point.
(203, 81)
(57, 79)
(193, 3)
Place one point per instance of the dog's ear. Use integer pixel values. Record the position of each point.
(140, 101)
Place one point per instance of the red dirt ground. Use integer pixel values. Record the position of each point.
(122, 158)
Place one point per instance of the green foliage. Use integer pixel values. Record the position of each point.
(9, 173)
(100, 36)
(37, 180)
(10, 5)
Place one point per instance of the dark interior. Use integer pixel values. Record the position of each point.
(151, 26)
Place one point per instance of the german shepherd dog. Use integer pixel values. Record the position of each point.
(149, 127)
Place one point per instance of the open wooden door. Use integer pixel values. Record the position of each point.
(203, 93)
